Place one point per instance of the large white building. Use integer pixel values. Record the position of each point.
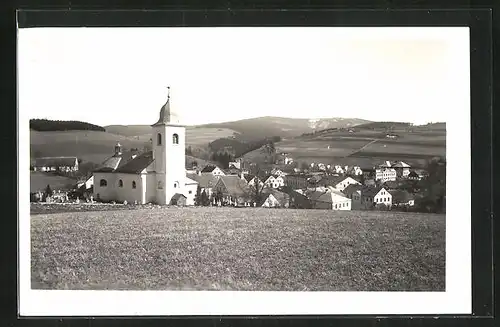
(151, 177)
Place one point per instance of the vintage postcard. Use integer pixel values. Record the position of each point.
(244, 171)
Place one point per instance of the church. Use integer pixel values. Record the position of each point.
(157, 176)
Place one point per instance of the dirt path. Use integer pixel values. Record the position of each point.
(364, 146)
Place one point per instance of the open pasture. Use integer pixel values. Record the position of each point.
(201, 136)
(238, 249)
(388, 147)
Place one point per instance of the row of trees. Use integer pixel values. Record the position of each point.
(222, 158)
(45, 125)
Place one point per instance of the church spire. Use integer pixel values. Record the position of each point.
(167, 116)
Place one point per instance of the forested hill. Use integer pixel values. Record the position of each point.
(45, 125)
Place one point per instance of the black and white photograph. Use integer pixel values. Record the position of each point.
(244, 170)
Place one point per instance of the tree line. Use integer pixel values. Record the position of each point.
(46, 125)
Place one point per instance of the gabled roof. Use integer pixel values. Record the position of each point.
(351, 188)
(370, 190)
(136, 165)
(326, 196)
(401, 164)
(401, 196)
(235, 185)
(413, 174)
(281, 197)
(55, 161)
(204, 180)
(208, 169)
(249, 177)
(116, 161)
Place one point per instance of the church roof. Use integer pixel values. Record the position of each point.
(116, 161)
(167, 115)
(137, 164)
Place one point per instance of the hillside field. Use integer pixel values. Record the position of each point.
(212, 248)
(96, 146)
(363, 148)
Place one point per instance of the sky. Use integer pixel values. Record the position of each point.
(119, 76)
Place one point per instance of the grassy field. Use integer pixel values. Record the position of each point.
(238, 249)
(364, 147)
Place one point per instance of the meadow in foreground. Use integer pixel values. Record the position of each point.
(238, 249)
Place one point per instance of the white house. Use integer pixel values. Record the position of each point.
(329, 199)
(274, 181)
(338, 182)
(366, 197)
(385, 174)
(212, 169)
(66, 164)
(154, 176)
(252, 180)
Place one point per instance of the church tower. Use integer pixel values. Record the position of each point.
(169, 138)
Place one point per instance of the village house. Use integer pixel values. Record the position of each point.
(413, 176)
(253, 180)
(401, 198)
(277, 172)
(385, 174)
(272, 198)
(367, 197)
(274, 181)
(232, 170)
(205, 181)
(402, 169)
(234, 190)
(64, 164)
(297, 181)
(153, 176)
(338, 182)
(297, 199)
(329, 199)
(212, 169)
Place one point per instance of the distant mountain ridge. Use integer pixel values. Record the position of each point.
(254, 128)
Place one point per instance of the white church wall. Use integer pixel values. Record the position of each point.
(114, 192)
(127, 192)
(190, 193)
(151, 186)
(106, 191)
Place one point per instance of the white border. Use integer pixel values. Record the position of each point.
(456, 299)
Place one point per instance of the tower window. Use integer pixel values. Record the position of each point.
(160, 185)
(120, 183)
(134, 185)
(158, 137)
(175, 139)
(103, 183)
(175, 185)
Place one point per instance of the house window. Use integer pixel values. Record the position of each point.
(158, 139)
(120, 183)
(190, 192)
(175, 139)
(134, 185)
(103, 183)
